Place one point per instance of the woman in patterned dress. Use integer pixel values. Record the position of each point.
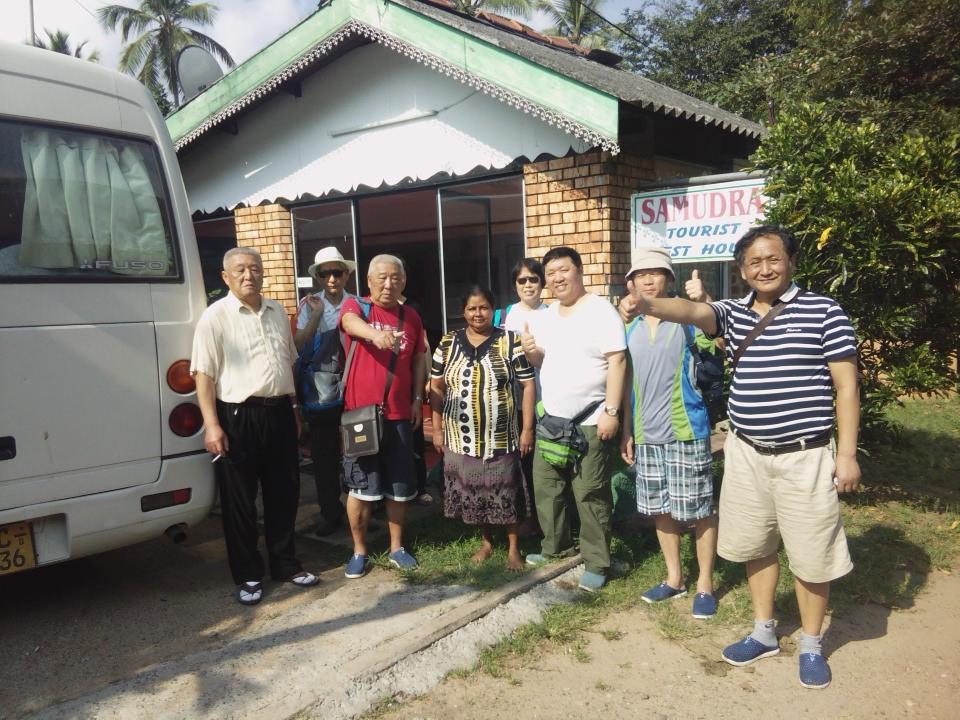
(475, 424)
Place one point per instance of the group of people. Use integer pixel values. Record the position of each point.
(530, 406)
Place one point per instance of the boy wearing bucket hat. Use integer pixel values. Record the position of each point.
(320, 313)
(666, 431)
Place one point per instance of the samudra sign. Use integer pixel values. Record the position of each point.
(700, 222)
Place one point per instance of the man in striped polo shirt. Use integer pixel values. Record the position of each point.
(781, 474)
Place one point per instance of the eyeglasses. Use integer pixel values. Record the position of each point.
(524, 279)
(327, 273)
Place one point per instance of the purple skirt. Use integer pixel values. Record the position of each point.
(484, 492)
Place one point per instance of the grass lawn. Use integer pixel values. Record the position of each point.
(904, 521)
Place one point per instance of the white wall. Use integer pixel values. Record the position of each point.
(285, 148)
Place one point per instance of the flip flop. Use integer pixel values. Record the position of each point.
(249, 593)
(303, 579)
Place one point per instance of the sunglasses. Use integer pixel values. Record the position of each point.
(327, 273)
(532, 279)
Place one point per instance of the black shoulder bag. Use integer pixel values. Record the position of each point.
(361, 429)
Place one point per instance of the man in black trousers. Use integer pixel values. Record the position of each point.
(242, 360)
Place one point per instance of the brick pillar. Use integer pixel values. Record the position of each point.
(583, 201)
(266, 228)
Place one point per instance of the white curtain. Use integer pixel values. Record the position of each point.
(89, 202)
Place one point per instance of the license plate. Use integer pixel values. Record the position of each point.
(16, 548)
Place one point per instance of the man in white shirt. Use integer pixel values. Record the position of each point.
(320, 314)
(580, 350)
(242, 361)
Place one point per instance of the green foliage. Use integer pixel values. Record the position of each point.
(59, 42)
(520, 8)
(162, 99)
(698, 45)
(882, 58)
(161, 33)
(573, 20)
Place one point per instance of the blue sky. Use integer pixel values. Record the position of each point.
(242, 26)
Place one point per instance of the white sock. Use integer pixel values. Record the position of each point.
(811, 643)
(764, 632)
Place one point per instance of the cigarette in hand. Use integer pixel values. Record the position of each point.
(219, 455)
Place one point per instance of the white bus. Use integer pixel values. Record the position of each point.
(101, 443)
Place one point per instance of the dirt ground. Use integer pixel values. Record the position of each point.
(889, 664)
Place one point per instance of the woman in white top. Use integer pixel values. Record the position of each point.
(528, 281)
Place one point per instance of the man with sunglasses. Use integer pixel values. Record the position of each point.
(320, 313)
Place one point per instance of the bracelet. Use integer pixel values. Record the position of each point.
(295, 405)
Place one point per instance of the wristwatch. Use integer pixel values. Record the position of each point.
(611, 411)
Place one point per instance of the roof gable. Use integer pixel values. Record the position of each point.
(571, 92)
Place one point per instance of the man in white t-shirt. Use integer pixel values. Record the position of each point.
(580, 350)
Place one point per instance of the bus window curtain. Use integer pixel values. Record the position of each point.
(89, 203)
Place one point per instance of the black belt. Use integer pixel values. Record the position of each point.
(274, 401)
(781, 449)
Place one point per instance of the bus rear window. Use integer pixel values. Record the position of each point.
(78, 205)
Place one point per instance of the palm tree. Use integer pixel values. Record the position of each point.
(59, 42)
(162, 34)
(520, 8)
(572, 19)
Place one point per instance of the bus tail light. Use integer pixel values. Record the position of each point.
(179, 378)
(186, 420)
(165, 499)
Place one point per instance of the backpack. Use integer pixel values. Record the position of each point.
(708, 373)
(500, 316)
(319, 366)
(707, 368)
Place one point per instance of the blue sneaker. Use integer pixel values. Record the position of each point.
(402, 560)
(663, 592)
(748, 651)
(356, 567)
(536, 559)
(591, 581)
(814, 671)
(704, 606)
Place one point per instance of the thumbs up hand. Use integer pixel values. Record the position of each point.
(628, 306)
(527, 340)
(694, 288)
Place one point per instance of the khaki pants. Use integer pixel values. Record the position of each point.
(591, 493)
(768, 497)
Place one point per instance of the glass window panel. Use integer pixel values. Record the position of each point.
(482, 240)
(214, 238)
(405, 224)
(318, 226)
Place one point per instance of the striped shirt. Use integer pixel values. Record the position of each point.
(782, 390)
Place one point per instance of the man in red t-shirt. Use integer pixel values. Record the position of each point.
(390, 476)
